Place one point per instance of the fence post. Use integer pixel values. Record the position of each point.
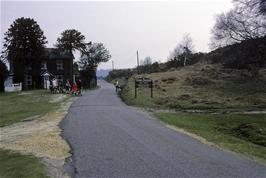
(151, 89)
(135, 89)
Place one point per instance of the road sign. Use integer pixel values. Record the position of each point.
(143, 82)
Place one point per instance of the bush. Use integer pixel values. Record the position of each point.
(250, 54)
(120, 73)
(179, 61)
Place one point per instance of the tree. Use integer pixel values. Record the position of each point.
(71, 40)
(3, 75)
(258, 6)
(93, 55)
(244, 22)
(23, 41)
(183, 50)
(262, 6)
(147, 61)
(75, 68)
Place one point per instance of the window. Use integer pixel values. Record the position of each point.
(44, 65)
(28, 68)
(59, 65)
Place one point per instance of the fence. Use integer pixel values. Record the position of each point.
(13, 87)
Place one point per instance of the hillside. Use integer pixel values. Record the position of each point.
(201, 86)
(218, 98)
(215, 101)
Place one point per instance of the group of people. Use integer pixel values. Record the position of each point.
(56, 86)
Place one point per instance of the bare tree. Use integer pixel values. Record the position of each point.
(258, 6)
(241, 23)
(183, 49)
(262, 6)
(146, 61)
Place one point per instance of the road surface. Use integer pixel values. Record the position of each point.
(110, 139)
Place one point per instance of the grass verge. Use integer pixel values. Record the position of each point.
(241, 133)
(16, 107)
(22, 166)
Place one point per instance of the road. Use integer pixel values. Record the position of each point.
(110, 139)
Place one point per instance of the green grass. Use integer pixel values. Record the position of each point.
(17, 106)
(245, 134)
(15, 165)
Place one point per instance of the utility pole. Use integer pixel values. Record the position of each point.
(138, 62)
(113, 65)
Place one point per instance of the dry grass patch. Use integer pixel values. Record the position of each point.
(200, 86)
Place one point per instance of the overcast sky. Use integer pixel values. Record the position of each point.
(153, 28)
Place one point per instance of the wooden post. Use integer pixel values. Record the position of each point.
(151, 89)
(135, 89)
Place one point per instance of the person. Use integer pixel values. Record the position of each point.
(74, 88)
(68, 86)
(116, 85)
(55, 85)
(51, 86)
(79, 86)
(60, 86)
(47, 85)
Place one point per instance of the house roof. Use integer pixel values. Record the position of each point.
(53, 53)
(46, 73)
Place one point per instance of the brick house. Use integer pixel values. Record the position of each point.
(54, 64)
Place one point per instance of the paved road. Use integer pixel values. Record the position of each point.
(110, 139)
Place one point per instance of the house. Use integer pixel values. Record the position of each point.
(54, 64)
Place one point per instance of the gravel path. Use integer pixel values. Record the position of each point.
(110, 139)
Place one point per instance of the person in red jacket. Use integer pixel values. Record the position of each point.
(74, 88)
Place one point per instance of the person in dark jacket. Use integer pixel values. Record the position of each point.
(51, 86)
(67, 86)
(79, 85)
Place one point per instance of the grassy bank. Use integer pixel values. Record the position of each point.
(201, 86)
(241, 133)
(22, 166)
(16, 107)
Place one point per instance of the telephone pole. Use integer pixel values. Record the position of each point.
(113, 65)
(138, 62)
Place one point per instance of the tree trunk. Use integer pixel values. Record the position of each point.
(2, 85)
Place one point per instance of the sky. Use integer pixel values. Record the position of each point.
(153, 28)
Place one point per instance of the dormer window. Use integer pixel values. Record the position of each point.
(59, 65)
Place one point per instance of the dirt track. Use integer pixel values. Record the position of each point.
(40, 137)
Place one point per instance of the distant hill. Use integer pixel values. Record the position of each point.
(103, 72)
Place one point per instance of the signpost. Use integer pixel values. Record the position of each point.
(143, 83)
